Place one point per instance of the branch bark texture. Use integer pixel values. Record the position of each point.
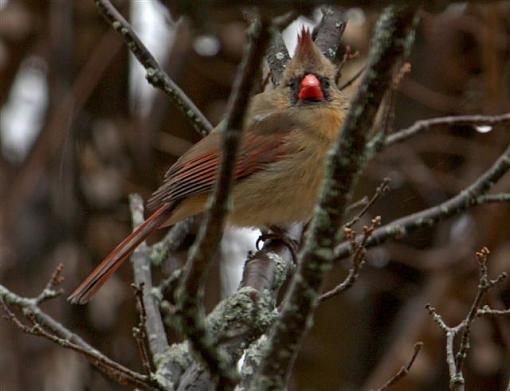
(190, 294)
(394, 30)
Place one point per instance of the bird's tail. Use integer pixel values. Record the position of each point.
(116, 258)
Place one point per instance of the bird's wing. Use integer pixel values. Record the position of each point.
(195, 172)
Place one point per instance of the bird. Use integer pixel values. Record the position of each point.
(288, 131)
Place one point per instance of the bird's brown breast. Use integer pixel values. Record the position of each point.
(286, 191)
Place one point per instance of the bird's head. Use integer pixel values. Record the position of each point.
(309, 74)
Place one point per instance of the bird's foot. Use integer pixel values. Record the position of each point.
(277, 234)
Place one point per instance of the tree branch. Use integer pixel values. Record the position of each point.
(277, 57)
(392, 34)
(45, 326)
(155, 74)
(473, 195)
(431, 123)
(154, 328)
(242, 318)
(456, 360)
(329, 33)
(403, 371)
(358, 259)
(190, 293)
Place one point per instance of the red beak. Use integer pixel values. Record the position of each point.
(310, 88)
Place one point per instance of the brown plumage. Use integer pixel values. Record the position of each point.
(277, 178)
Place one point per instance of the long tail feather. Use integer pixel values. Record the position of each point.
(116, 258)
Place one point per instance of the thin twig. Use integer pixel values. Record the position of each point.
(190, 294)
(354, 77)
(381, 190)
(454, 360)
(358, 259)
(473, 195)
(403, 371)
(348, 55)
(459, 120)
(45, 326)
(51, 290)
(155, 74)
(139, 331)
(487, 311)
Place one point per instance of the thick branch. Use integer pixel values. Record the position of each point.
(190, 294)
(393, 31)
(243, 317)
(155, 74)
(277, 57)
(329, 33)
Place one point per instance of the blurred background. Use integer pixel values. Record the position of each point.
(80, 129)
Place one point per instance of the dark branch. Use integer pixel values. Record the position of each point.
(155, 74)
(329, 33)
(277, 57)
(391, 37)
(190, 294)
(355, 77)
(381, 189)
(403, 371)
(359, 253)
(139, 330)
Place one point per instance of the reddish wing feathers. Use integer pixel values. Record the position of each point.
(116, 258)
(196, 171)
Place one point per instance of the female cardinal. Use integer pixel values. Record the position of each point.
(279, 171)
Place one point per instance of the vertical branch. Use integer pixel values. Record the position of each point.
(240, 319)
(393, 32)
(154, 328)
(190, 293)
(277, 57)
(329, 33)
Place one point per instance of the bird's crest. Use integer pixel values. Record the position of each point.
(308, 59)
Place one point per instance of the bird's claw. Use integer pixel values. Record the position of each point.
(288, 242)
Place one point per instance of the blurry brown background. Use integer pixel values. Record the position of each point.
(80, 130)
